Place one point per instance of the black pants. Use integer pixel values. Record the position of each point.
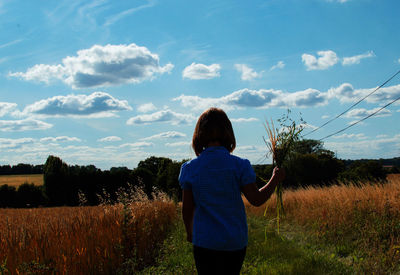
(210, 261)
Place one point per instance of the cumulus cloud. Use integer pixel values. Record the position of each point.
(100, 66)
(239, 120)
(201, 71)
(145, 108)
(169, 134)
(306, 98)
(247, 98)
(364, 148)
(60, 139)
(346, 93)
(7, 143)
(6, 107)
(256, 98)
(361, 113)
(247, 73)
(162, 116)
(97, 104)
(279, 65)
(357, 58)
(23, 125)
(325, 60)
(109, 139)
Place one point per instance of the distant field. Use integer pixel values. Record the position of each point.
(17, 180)
(392, 177)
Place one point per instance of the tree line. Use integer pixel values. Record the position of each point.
(21, 168)
(309, 164)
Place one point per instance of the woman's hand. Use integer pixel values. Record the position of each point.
(279, 174)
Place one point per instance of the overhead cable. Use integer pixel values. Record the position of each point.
(370, 115)
(355, 104)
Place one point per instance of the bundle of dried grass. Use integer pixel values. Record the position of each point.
(280, 143)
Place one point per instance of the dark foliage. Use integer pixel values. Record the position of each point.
(26, 169)
(308, 164)
(359, 171)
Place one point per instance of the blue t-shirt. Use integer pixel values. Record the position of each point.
(215, 178)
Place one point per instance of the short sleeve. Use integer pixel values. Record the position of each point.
(184, 177)
(247, 173)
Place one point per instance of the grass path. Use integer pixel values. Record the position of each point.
(276, 255)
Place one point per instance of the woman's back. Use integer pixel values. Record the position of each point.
(215, 178)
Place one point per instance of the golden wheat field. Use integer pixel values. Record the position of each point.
(82, 240)
(17, 180)
(363, 215)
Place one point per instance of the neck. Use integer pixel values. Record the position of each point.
(213, 143)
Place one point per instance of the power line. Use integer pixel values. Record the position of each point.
(355, 104)
(370, 115)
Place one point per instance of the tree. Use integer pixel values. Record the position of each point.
(29, 195)
(311, 164)
(56, 181)
(8, 196)
(360, 171)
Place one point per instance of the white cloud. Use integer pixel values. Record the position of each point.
(11, 42)
(306, 98)
(262, 98)
(279, 65)
(60, 139)
(100, 66)
(356, 59)
(162, 116)
(178, 144)
(256, 98)
(325, 60)
(247, 72)
(97, 104)
(365, 148)
(338, 1)
(350, 136)
(109, 139)
(239, 120)
(6, 108)
(201, 71)
(23, 125)
(346, 93)
(169, 134)
(145, 108)
(137, 145)
(361, 113)
(114, 18)
(7, 143)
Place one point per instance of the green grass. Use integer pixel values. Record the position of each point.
(274, 255)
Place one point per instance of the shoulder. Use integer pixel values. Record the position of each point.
(240, 161)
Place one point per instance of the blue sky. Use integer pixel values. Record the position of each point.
(110, 83)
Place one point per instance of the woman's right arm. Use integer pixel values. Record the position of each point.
(259, 196)
(188, 212)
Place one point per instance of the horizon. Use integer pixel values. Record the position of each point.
(112, 83)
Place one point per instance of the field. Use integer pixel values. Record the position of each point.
(331, 230)
(358, 223)
(345, 229)
(17, 180)
(83, 240)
